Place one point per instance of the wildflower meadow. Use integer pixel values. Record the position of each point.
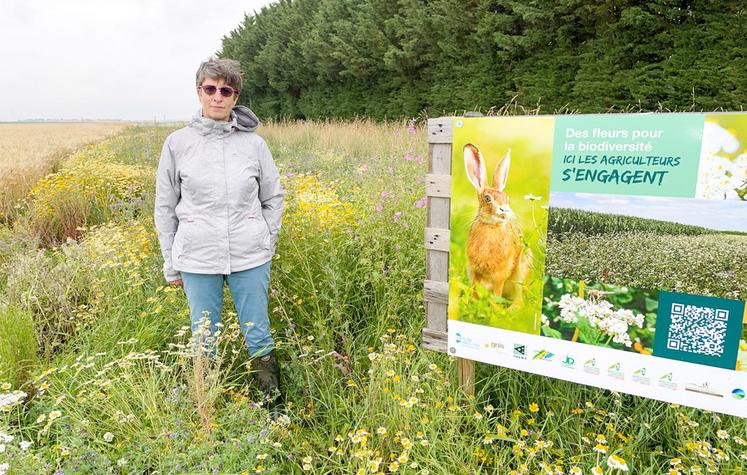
(97, 376)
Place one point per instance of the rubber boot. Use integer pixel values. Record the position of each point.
(266, 373)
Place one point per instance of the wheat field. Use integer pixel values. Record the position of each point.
(28, 151)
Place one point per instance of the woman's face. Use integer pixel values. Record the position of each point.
(216, 106)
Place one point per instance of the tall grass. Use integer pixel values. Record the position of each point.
(18, 346)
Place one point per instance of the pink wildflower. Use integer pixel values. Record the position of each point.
(411, 127)
(421, 203)
(396, 216)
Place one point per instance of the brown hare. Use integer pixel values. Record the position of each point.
(496, 255)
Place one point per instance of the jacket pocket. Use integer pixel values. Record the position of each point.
(261, 233)
(187, 225)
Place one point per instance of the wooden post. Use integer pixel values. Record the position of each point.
(437, 238)
(437, 241)
(466, 374)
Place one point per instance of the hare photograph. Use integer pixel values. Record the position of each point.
(500, 191)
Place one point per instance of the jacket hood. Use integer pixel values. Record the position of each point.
(242, 118)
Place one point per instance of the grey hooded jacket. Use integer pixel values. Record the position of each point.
(219, 202)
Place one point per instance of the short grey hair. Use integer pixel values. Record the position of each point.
(227, 69)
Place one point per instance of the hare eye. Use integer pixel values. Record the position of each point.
(488, 199)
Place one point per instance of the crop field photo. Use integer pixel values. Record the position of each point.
(500, 187)
(681, 245)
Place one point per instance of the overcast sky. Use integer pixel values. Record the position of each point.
(723, 215)
(113, 59)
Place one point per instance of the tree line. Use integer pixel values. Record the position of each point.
(398, 58)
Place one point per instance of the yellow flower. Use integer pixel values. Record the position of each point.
(6, 386)
(54, 415)
(597, 470)
(534, 407)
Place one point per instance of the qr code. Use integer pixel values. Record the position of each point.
(700, 330)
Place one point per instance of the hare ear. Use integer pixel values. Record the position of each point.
(500, 174)
(475, 167)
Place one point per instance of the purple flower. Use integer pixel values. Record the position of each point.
(421, 203)
(420, 160)
(384, 194)
(408, 156)
(379, 208)
(396, 216)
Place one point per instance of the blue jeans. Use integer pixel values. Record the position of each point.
(249, 292)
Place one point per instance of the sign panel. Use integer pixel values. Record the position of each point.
(608, 250)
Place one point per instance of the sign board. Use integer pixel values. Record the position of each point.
(608, 250)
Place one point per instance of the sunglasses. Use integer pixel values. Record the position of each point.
(225, 91)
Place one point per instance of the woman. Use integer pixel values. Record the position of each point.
(218, 211)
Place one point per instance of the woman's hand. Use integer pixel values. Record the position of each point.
(176, 283)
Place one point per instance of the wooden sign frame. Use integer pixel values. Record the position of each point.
(437, 240)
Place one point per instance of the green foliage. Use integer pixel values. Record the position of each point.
(17, 345)
(567, 220)
(710, 264)
(384, 59)
(645, 253)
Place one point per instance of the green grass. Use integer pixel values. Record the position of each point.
(18, 346)
(347, 311)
